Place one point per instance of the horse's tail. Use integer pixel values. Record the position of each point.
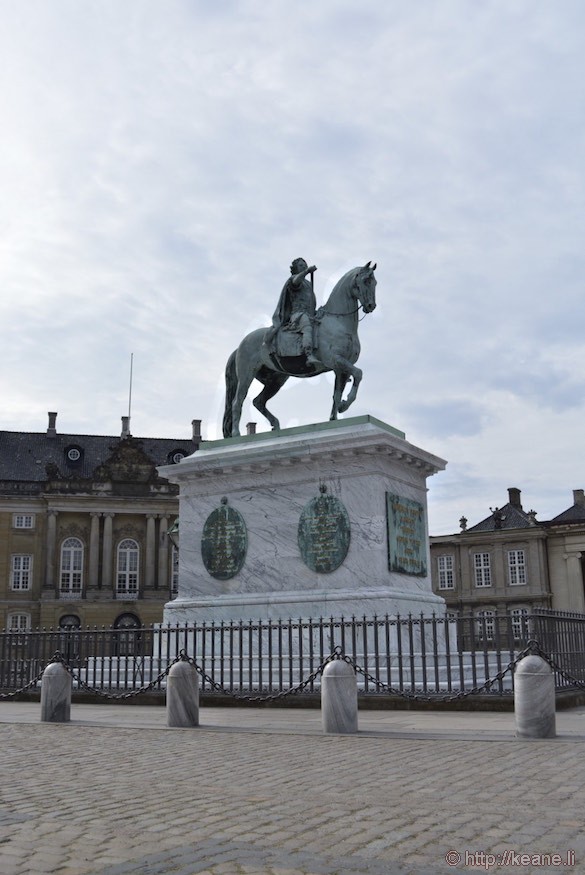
(231, 384)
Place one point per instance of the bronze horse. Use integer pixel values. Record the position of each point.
(336, 346)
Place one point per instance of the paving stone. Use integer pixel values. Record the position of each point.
(161, 802)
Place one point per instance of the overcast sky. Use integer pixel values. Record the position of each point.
(163, 163)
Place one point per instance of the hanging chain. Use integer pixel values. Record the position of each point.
(23, 689)
(532, 648)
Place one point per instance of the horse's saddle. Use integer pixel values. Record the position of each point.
(288, 342)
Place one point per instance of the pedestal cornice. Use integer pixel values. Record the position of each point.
(343, 441)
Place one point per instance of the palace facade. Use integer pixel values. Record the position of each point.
(84, 523)
(511, 564)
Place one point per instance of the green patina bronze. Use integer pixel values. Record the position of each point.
(324, 533)
(302, 342)
(224, 542)
(406, 535)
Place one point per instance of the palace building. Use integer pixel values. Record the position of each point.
(83, 528)
(512, 564)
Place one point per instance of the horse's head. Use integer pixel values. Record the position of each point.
(365, 287)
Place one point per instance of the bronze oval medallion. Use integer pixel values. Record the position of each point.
(324, 532)
(224, 542)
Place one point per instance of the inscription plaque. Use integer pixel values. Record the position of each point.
(224, 542)
(324, 533)
(407, 543)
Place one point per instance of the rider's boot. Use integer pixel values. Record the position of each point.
(308, 348)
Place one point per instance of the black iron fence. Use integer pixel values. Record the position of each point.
(429, 655)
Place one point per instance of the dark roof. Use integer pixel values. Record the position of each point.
(24, 456)
(574, 514)
(510, 517)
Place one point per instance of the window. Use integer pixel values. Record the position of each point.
(21, 572)
(18, 622)
(519, 629)
(516, 568)
(23, 520)
(128, 636)
(71, 579)
(481, 565)
(69, 621)
(485, 625)
(127, 574)
(445, 568)
(174, 571)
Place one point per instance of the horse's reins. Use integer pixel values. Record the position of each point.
(350, 313)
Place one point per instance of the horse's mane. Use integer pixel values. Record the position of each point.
(342, 283)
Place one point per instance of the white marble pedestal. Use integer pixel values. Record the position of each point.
(270, 479)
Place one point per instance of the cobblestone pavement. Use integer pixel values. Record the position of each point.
(82, 799)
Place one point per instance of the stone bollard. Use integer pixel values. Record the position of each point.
(534, 698)
(183, 695)
(56, 694)
(339, 705)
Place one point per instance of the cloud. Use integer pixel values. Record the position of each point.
(161, 168)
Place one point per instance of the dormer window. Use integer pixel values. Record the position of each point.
(73, 455)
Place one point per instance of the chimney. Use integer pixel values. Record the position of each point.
(52, 430)
(250, 428)
(125, 427)
(579, 497)
(514, 497)
(196, 426)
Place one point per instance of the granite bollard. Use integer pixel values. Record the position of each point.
(56, 694)
(339, 703)
(183, 695)
(534, 698)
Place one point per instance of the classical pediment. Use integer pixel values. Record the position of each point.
(128, 463)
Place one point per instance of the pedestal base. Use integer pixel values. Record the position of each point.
(317, 521)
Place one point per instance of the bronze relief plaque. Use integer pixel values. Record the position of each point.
(224, 542)
(407, 550)
(324, 533)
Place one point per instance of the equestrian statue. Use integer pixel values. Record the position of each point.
(302, 341)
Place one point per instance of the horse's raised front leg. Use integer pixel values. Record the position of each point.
(348, 370)
(271, 386)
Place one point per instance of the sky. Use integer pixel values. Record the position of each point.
(163, 163)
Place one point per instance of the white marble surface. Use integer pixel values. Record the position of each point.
(182, 695)
(270, 481)
(56, 694)
(534, 698)
(339, 701)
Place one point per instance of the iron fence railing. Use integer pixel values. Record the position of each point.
(430, 655)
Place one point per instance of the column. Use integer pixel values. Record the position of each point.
(149, 570)
(107, 552)
(51, 548)
(163, 555)
(574, 591)
(94, 546)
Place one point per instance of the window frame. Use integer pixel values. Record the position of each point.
(516, 569)
(28, 521)
(21, 578)
(516, 620)
(482, 570)
(446, 575)
(76, 550)
(22, 615)
(486, 619)
(127, 576)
